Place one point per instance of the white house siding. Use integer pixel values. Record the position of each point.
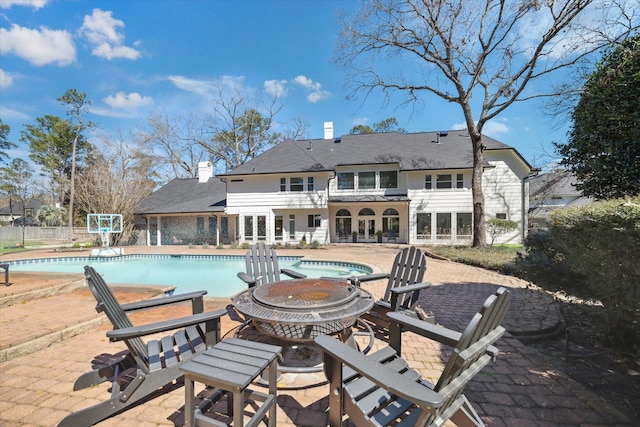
(435, 201)
(260, 196)
(504, 188)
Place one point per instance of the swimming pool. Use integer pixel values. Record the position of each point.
(214, 273)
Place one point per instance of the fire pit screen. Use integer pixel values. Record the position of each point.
(302, 309)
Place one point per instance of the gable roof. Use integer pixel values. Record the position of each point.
(16, 207)
(410, 151)
(186, 196)
(554, 183)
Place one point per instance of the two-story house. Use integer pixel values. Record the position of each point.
(413, 187)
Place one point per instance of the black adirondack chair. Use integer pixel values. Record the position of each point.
(146, 369)
(381, 389)
(262, 266)
(405, 281)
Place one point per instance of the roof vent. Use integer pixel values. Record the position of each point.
(310, 146)
(438, 135)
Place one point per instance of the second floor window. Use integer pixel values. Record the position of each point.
(345, 181)
(459, 181)
(296, 184)
(366, 180)
(388, 179)
(283, 184)
(443, 181)
(427, 182)
(310, 183)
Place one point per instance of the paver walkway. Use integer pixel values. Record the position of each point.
(519, 389)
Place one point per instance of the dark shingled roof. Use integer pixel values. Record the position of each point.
(186, 196)
(411, 151)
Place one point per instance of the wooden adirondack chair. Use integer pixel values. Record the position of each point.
(381, 390)
(262, 266)
(146, 369)
(403, 288)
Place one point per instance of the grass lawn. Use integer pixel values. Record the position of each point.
(498, 258)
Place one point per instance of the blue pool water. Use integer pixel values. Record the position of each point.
(216, 274)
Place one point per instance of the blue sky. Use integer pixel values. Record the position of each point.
(139, 56)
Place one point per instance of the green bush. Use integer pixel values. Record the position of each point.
(315, 244)
(496, 227)
(593, 253)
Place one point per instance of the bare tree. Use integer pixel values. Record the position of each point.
(239, 125)
(117, 180)
(479, 55)
(177, 142)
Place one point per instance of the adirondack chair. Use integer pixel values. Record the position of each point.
(146, 369)
(381, 390)
(262, 266)
(403, 288)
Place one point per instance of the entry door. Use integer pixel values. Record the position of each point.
(367, 229)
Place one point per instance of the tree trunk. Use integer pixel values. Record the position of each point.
(479, 234)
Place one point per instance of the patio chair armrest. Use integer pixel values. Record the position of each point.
(410, 288)
(433, 332)
(249, 280)
(159, 302)
(293, 274)
(379, 373)
(371, 277)
(165, 325)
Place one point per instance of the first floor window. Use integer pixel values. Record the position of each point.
(423, 223)
(343, 222)
(278, 225)
(443, 224)
(390, 221)
(262, 227)
(464, 225)
(248, 227)
(314, 221)
(501, 215)
(292, 227)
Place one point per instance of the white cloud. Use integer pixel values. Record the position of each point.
(6, 79)
(492, 128)
(317, 94)
(276, 88)
(128, 102)
(35, 4)
(39, 47)
(102, 30)
(201, 87)
(495, 129)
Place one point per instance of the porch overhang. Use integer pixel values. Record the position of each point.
(369, 199)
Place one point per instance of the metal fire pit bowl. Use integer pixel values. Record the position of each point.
(302, 309)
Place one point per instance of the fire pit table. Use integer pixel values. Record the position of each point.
(298, 310)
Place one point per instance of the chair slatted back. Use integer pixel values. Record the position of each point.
(409, 267)
(482, 331)
(108, 304)
(262, 261)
